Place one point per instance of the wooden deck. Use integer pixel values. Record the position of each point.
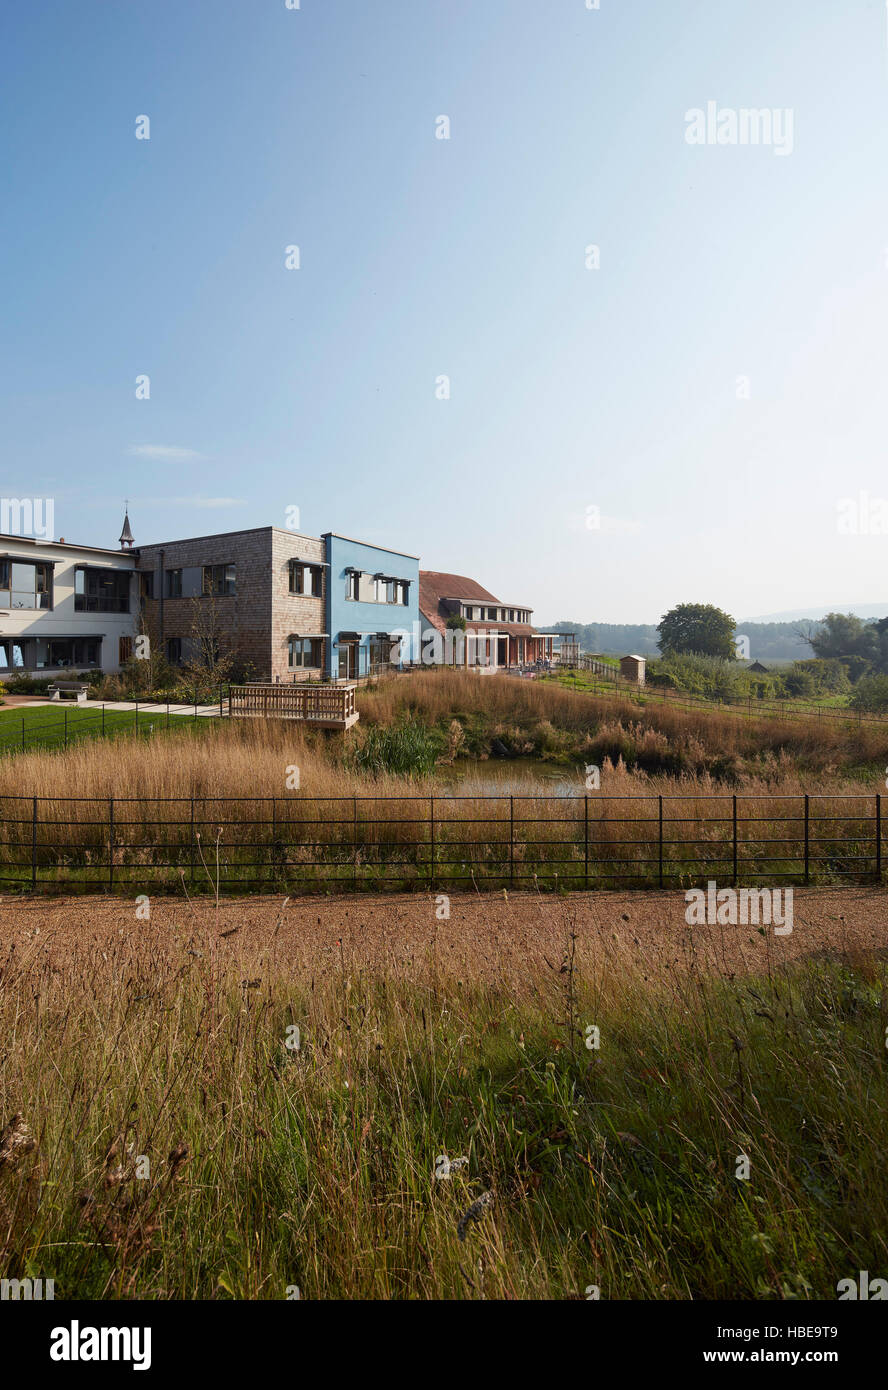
(325, 706)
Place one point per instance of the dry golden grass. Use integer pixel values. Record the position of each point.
(271, 1167)
(244, 758)
(505, 702)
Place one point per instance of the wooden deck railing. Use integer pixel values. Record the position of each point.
(329, 705)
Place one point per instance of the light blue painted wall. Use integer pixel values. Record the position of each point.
(350, 615)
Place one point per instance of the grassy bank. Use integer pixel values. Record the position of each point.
(272, 1167)
(465, 713)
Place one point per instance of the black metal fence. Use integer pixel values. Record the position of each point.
(57, 725)
(312, 844)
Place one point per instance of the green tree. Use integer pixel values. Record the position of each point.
(697, 629)
(871, 694)
(456, 622)
(844, 635)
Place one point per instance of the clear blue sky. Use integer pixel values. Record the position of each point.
(570, 388)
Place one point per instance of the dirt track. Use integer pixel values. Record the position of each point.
(489, 938)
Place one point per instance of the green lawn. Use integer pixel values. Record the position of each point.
(53, 726)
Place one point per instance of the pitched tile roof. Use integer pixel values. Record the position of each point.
(435, 585)
(453, 586)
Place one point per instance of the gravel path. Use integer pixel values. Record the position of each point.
(493, 938)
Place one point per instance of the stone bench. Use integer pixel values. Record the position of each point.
(69, 690)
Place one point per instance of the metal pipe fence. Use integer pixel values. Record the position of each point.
(314, 844)
(77, 722)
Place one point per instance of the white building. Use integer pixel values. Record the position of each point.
(65, 607)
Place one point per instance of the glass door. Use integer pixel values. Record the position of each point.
(347, 663)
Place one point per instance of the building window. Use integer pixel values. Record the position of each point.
(397, 591)
(384, 651)
(58, 652)
(377, 588)
(12, 655)
(305, 651)
(25, 584)
(146, 584)
(101, 591)
(219, 580)
(306, 579)
(124, 650)
(174, 649)
(173, 585)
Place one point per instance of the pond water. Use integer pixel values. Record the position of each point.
(511, 777)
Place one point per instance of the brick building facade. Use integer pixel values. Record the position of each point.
(258, 595)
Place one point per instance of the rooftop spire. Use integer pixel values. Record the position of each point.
(126, 535)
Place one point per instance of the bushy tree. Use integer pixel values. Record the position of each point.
(211, 660)
(843, 635)
(817, 677)
(870, 694)
(697, 629)
(712, 677)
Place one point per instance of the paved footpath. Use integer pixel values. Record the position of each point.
(23, 703)
(208, 711)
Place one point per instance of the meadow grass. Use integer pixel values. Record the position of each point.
(545, 717)
(272, 1168)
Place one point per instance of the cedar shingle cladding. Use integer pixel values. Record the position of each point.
(295, 615)
(256, 621)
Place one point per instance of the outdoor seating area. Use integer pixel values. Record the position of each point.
(69, 690)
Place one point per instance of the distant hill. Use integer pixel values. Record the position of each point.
(611, 639)
(768, 641)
